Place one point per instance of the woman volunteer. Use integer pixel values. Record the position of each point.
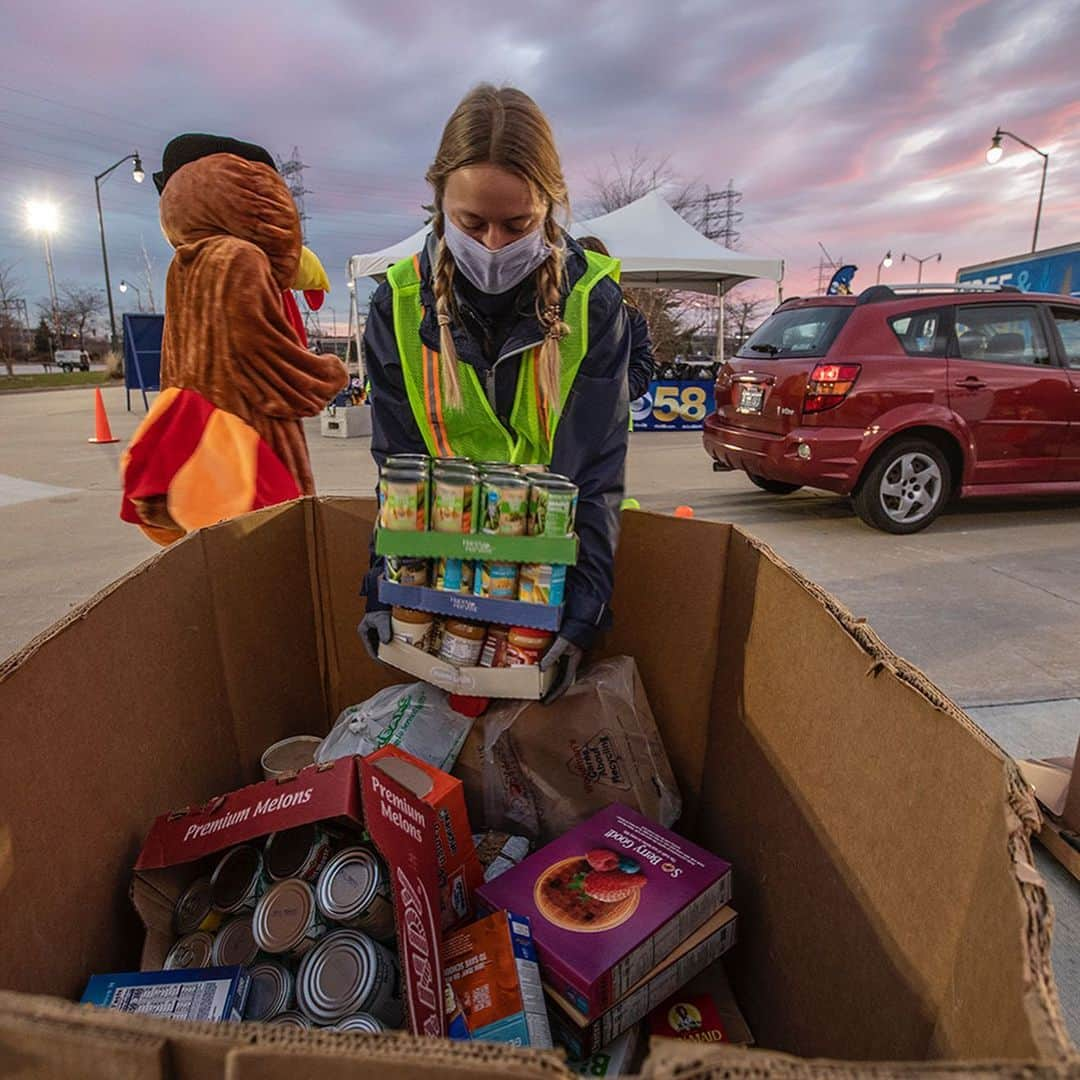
(502, 340)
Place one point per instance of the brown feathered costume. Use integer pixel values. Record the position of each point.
(225, 434)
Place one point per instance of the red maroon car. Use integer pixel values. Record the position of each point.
(905, 396)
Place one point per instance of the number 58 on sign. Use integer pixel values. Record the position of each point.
(672, 405)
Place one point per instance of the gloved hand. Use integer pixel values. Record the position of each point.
(568, 656)
(373, 629)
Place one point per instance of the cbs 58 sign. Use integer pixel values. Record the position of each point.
(670, 405)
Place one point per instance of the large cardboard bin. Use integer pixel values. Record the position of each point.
(888, 906)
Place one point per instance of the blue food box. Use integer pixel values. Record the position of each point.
(209, 994)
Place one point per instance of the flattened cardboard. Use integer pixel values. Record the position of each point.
(515, 549)
(911, 925)
(517, 682)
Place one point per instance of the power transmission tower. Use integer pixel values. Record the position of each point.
(292, 172)
(719, 216)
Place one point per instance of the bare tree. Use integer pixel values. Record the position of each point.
(626, 181)
(11, 327)
(79, 306)
(743, 313)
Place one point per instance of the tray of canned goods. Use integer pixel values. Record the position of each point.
(464, 605)
(455, 508)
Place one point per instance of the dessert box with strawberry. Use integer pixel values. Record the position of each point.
(608, 900)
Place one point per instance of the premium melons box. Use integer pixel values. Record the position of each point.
(608, 900)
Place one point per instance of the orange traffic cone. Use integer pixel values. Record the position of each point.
(102, 431)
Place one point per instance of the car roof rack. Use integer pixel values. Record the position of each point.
(877, 293)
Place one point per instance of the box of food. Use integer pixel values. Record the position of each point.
(704, 1011)
(582, 1035)
(208, 994)
(526, 681)
(492, 968)
(608, 900)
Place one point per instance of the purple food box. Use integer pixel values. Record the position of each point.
(609, 900)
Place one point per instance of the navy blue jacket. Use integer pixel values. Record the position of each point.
(592, 435)
(641, 353)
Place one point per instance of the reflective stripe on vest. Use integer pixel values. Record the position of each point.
(473, 430)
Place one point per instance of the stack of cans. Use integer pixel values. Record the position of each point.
(310, 915)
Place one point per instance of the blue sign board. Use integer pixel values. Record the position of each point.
(673, 405)
(1049, 272)
(142, 354)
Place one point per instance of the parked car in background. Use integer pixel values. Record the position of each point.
(905, 396)
(72, 359)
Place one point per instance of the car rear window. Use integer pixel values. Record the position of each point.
(921, 333)
(805, 331)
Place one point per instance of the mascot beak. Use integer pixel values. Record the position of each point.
(311, 279)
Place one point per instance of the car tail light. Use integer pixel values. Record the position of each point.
(828, 385)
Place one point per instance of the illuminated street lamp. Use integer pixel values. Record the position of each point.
(138, 176)
(125, 285)
(994, 154)
(44, 217)
(925, 259)
(886, 262)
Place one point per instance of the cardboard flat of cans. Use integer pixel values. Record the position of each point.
(888, 908)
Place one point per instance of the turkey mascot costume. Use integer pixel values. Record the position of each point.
(225, 434)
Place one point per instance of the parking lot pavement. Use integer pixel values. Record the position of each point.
(986, 601)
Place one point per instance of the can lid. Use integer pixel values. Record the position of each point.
(530, 637)
(234, 875)
(271, 988)
(361, 1022)
(292, 1019)
(235, 943)
(191, 951)
(193, 906)
(336, 976)
(283, 915)
(510, 479)
(554, 482)
(348, 884)
(411, 615)
(288, 850)
(405, 472)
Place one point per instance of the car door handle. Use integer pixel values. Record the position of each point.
(970, 383)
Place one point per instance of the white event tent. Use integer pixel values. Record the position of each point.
(657, 247)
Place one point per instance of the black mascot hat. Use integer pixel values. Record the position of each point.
(185, 149)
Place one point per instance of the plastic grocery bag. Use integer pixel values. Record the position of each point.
(416, 717)
(545, 768)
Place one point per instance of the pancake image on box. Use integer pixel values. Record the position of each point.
(588, 893)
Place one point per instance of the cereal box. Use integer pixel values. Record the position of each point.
(608, 900)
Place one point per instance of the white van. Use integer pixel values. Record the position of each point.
(72, 359)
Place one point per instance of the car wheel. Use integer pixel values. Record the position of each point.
(773, 487)
(905, 488)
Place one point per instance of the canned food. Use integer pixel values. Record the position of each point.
(454, 575)
(552, 506)
(195, 908)
(237, 881)
(270, 992)
(297, 853)
(191, 951)
(363, 1022)
(348, 972)
(525, 646)
(542, 584)
(354, 890)
(287, 919)
(407, 461)
(291, 1019)
(235, 944)
(533, 470)
(462, 642)
(411, 627)
(497, 580)
(491, 655)
(403, 499)
(504, 505)
(406, 570)
(452, 463)
(455, 495)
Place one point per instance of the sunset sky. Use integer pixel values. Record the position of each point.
(860, 125)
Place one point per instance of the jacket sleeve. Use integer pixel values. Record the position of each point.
(393, 426)
(641, 353)
(590, 447)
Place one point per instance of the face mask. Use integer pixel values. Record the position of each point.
(495, 271)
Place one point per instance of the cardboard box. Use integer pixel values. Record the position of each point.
(887, 901)
(703, 1011)
(515, 682)
(491, 967)
(582, 1035)
(609, 900)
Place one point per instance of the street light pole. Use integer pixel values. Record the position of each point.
(125, 285)
(886, 262)
(43, 217)
(926, 259)
(994, 154)
(137, 175)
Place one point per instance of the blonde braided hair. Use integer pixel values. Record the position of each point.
(504, 127)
